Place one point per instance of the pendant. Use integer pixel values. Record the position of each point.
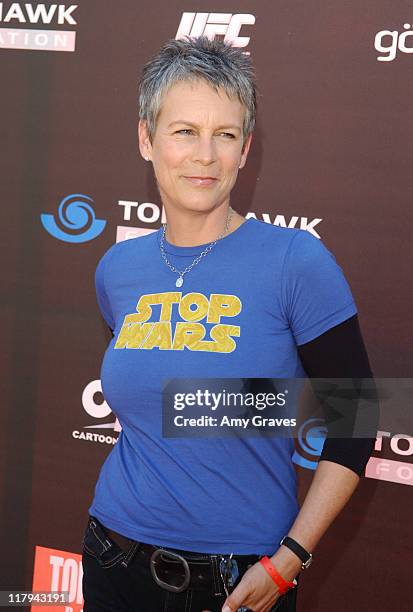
(179, 281)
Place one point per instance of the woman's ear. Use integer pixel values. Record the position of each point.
(145, 145)
(245, 149)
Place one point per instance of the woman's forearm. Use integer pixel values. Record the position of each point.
(330, 490)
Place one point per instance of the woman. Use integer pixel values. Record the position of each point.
(196, 523)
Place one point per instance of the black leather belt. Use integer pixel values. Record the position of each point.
(175, 570)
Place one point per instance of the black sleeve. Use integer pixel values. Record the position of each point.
(337, 354)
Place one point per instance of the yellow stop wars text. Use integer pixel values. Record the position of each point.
(138, 332)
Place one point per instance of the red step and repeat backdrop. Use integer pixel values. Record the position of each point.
(332, 155)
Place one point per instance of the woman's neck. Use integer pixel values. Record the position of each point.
(196, 229)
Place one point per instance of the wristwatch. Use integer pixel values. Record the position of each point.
(305, 557)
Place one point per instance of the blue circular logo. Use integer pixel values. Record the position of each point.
(77, 221)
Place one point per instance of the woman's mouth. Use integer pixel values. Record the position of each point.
(201, 181)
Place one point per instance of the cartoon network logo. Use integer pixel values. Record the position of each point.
(391, 41)
(216, 24)
(33, 38)
(76, 218)
(95, 406)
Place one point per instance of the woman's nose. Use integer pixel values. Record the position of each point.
(205, 150)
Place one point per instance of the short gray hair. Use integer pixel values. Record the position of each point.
(191, 59)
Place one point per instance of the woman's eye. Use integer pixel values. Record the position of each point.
(189, 132)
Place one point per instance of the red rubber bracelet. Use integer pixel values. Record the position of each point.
(283, 585)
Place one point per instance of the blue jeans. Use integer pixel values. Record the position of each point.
(109, 586)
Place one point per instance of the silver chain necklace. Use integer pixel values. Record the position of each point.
(180, 280)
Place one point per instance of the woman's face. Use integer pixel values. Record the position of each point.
(197, 147)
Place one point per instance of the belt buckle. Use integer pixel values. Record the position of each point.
(169, 587)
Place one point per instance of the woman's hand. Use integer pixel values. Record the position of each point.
(257, 590)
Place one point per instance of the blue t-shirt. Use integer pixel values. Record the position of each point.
(259, 293)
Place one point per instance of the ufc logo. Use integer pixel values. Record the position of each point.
(215, 24)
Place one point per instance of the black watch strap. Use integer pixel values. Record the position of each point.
(305, 557)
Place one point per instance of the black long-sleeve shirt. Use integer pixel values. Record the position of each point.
(340, 353)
